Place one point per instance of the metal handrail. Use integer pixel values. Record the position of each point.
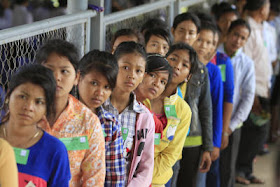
(132, 12)
(190, 2)
(39, 27)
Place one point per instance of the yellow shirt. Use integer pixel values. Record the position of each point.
(170, 148)
(8, 165)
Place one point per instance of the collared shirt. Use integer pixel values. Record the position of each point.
(127, 119)
(244, 87)
(88, 165)
(115, 164)
(270, 38)
(256, 50)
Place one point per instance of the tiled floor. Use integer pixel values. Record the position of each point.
(265, 167)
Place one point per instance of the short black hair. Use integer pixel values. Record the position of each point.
(102, 62)
(224, 8)
(157, 32)
(188, 16)
(253, 5)
(205, 25)
(191, 51)
(124, 32)
(154, 23)
(128, 48)
(205, 17)
(156, 62)
(38, 75)
(239, 22)
(61, 48)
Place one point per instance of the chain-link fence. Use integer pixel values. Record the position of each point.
(18, 45)
(134, 23)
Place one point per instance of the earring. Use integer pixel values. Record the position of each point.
(7, 101)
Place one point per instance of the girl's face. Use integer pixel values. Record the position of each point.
(153, 85)
(185, 32)
(94, 89)
(204, 44)
(131, 72)
(27, 104)
(64, 73)
(180, 61)
(236, 39)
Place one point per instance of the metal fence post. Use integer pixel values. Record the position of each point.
(97, 28)
(177, 7)
(74, 6)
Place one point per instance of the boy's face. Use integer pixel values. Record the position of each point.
(131, 72)
(204, 44)
(236, 39)
(121, 39)
(180, 61)
(225, 21)
(157, 44)
(94, 89)
(185, 32)
(64, 73)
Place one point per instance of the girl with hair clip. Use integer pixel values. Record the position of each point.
(98, 75)
(174, 113)
(42, 159)
(76, 126)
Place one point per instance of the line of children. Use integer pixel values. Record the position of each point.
(203, 46)
(137, 122)
(112, 138)
(98, 74)
(244, 92)
(198, 145)
(73, 122)
(173, 112)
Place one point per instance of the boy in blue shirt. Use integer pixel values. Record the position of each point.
(203, 45)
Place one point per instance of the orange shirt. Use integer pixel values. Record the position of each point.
(87, 166)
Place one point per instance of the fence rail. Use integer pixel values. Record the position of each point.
(132, 12)
(25, 31)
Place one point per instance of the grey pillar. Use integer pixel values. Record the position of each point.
(98, 30)
(76, 33)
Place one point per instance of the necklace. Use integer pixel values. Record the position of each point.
(35, 135)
